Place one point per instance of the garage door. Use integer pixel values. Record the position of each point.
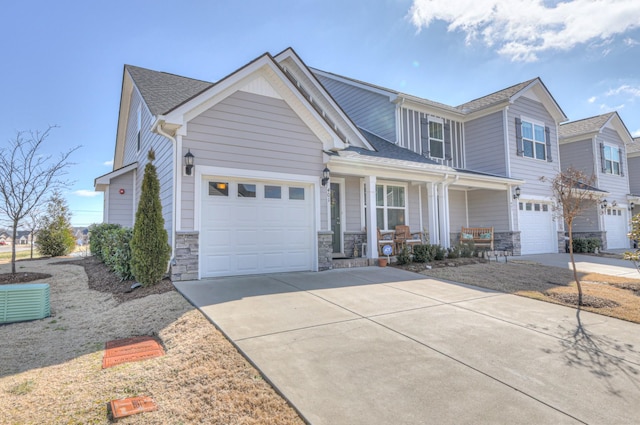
(250, 227)
(537, 228)
(615, 223)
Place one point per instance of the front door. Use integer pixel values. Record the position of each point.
(336, 226)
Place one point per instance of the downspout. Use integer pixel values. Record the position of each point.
(174, 195)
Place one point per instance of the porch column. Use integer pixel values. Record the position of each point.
(443, 214)
(432, 210)
(372, 232)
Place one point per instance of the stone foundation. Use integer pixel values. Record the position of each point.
(185, 262)
(502, 241)
(325, 250)
(354, 240)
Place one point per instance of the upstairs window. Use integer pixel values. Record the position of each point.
(533, 141)
(611, 160)
(436, 139)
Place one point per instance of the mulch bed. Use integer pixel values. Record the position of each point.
(449, 262)
(587, 300)
(21, 277)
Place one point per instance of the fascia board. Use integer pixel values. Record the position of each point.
(427, 108)
(578, 138)
(123, 119)
(359, 84)
(104, 180)
(548, 101)
(617, 123)
(492, 109)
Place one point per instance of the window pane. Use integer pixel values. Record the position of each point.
(545, 207)
(607, 152)
(541, 151)
(615, 154)
(616, 168)
(436, 149)
(528, 206)
(380, 218)
(536, 207)
(395, 196)
(608, 166)
(527, 130)
(379, 195)
(539, 133)
(395, 218)
(520, 206)
(435, 130)
(528, 148)
(296, 193)
(272, 192)
(218, 189)
(246, 190)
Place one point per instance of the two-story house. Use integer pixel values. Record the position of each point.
(598, 146)
(278, 167)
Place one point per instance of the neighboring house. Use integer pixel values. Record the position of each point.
(23, 237)
(633, 160)
(5, 239)
(599, 146)
(264, 139)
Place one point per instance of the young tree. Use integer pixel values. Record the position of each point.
(572, 190)
(31, 224)
(634, 235)
(26, 177)
(150, 249)
(55, 237)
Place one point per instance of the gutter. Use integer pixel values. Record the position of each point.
(157, 126)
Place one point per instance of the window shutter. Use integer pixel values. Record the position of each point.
(603, 162)
(447, 141)
(424, 137)
(621, 161)
(547, 136)
(519, 149)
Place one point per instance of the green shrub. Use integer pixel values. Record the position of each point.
(586, 245)
(438, 252)
(453, 252)
(404, 257)
(117, 252)
(97, 235)
(467, 249)
(422, 253)
(55, 237)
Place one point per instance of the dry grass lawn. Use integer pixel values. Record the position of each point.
(51, 369)
(608, 295)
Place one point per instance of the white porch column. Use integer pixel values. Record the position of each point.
(432, 209)
(372, 232)
(443, 214)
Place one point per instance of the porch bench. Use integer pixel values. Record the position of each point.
(480, 236)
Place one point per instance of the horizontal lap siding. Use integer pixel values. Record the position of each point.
(617, 185)
(588, 220)
(252, 132)
(369, 110)
(484, 145)
(121, 205)
(578, 155)
(488, 208)
(457, 210)
(529, 169)
(633, 171)
(352, 207)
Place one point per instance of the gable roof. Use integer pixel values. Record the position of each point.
(593, 125)
(635, 146)
(494, 98)
(387, 149)
(162, 91)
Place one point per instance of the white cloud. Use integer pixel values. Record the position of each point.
(636, 133)
(86, 193)
(624, 89)
(109, 163)
(521, 29)
(631, 42)
(607, 108)
(592, 99)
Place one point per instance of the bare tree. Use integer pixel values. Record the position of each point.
(26, 176)
(634, 235)
(573, 192)
(31, 224)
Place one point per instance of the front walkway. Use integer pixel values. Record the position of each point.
(381, 345)
(586, 263)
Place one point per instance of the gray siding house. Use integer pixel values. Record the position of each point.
(599, 147)
(288, 162)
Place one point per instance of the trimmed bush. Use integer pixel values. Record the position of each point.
(97, 235)
(422, 253)
(438, 252)
(586, 245)
(453, 252)
(404, 257)
(117, 252)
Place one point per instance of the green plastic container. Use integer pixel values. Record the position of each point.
(24, 301)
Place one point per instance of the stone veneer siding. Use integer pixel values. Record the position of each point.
(502, 241)
(325, 250)
(351, 240)
(185, 262)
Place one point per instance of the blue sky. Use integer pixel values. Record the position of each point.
(63, 60)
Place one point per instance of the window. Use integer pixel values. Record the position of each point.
(246, 190)
(611, 160)
(218, 189)
(390, 206)
(296, 193)
(533, 141)
(436, 139)
(272, 192)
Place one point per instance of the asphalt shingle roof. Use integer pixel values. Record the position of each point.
(162, 92)
(384, 148)
(493, 98)
(635, 146)
(584, 126)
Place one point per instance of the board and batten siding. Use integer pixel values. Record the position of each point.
(367, 109)
(121, 205)
(488, 208)
(530, 169)
(251, 132)
(617, 185)
(411, 136)
(484, 144)
(163, 149)
(578, 155)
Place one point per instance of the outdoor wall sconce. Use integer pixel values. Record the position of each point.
(188, 162)
(325, 176)
(631, 206)
(614, 204)
(604, 204)
(516, 195)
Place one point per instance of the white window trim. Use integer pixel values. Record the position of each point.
(441, 122)
(619, 161)
(544, 142)
(385, 183)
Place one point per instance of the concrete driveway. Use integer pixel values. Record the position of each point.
(385, 346)
(586, 263)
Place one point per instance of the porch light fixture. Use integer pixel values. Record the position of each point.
(188, 162)
(325, 176)
(516, 195)
(614, 204)
(631, 206)
(604, 204)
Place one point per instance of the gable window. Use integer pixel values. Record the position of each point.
(436, 139)
(611, 160)
(390, 206)
(533, 141)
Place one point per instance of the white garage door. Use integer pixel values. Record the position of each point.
(615, 223)
(250, 227)
(537, 228)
